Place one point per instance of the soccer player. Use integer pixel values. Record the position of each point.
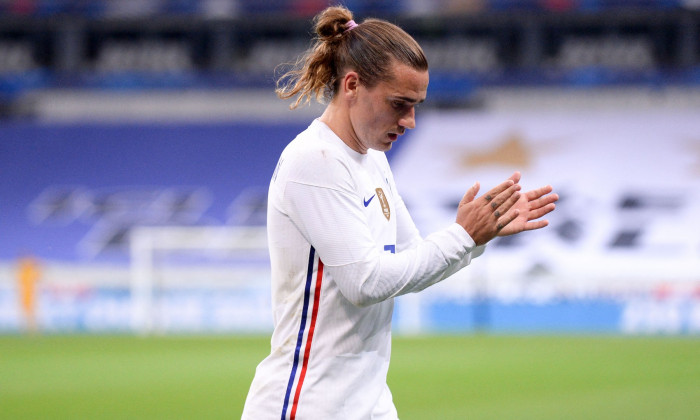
(342, 244)
(28, 275)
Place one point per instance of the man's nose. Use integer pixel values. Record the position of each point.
(409, 119)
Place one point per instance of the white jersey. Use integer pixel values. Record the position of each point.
(342, 246)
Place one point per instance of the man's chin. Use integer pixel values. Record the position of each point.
(384, 147)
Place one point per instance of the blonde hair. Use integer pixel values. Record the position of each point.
(368, 48)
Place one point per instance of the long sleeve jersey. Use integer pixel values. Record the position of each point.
(342, 247)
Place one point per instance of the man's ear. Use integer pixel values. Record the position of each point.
(351, 82)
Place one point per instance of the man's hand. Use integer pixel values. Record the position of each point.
(503, 210)
(531, 207)
(484, 217)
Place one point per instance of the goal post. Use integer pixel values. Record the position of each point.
(157, 255)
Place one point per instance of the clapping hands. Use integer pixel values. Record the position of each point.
(504, 210)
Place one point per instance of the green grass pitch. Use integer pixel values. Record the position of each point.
(432, 377)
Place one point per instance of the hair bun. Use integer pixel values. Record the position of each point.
(332, 22)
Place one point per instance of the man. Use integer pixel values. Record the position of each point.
(342, 243)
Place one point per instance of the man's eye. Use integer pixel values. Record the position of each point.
(398, 104)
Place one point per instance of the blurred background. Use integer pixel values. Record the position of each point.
(137, 138)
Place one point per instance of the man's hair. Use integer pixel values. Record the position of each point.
(369, 48)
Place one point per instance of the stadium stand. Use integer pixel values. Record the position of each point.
(174, 45)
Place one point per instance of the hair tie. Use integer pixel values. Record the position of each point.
(350, 25)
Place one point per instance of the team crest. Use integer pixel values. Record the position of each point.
(384, 202)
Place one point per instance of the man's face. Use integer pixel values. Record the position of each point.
(384, 112)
